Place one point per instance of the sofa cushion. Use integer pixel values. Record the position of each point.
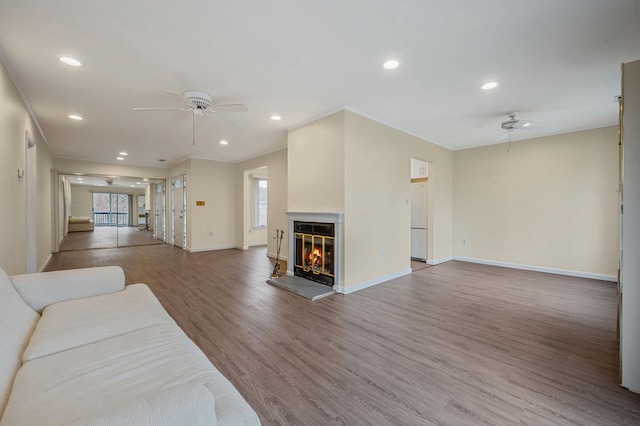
(66, 387)
(17, 321)
(73, 323)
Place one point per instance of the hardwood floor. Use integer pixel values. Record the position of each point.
(452, 344)
(107, 237)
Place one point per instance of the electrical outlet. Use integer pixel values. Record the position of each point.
(464, 242)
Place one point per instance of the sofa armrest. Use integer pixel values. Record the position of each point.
(189, 404)
(43, 289)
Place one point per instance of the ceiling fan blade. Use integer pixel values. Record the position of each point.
(181, 96)
(162, 109)
(224, 121)
(230, 108)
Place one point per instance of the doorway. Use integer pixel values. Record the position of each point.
(419, 195)
(179, 210)
(160, 225)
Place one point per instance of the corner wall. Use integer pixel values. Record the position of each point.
(550, 204)
(349, 163)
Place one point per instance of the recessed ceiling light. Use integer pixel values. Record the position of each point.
(490, 85)
(70, 61)
(145, 179)
(137, 183)
(120, 158)
(75, 117)
(526, 125)
(391, 65)
(224, 143)
(276, 117)
(123, 153)
(79, 178)
(133, 186)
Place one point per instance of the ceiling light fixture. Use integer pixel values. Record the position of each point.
(490, 85)
(70, 61)
(120, 158)
(123, 153)
(391, 65)
(75, 117)
(145, 180)
(224, 143)
(526, 125)
(276, 117)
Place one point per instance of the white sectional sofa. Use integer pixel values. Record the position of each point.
(78, 347)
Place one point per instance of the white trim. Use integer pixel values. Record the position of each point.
(241, 247)
(223, 247)
(316, 118)
(544, 269)
(375, 281)
(261, 243)
(14, 79)
(46, 262)
(439, 261)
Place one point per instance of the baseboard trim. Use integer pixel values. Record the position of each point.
(375, 281)
(264, 243)
(567, 272)
(439, 261)
(224, 247)
(46, 262)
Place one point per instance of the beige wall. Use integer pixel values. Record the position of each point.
(211, 226)
(551, 202)
(276, 164)
(316, 168)
(363, 168)
(14, 121)
(377, 200)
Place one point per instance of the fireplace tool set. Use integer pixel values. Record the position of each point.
(276, 267)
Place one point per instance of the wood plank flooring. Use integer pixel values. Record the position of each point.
(108, 237)
(452, 344)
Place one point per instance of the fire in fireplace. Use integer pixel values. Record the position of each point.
(314, 251)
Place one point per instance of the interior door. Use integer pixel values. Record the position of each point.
(160, 216)
(178, 210)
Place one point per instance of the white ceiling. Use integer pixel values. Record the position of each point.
(558, 63)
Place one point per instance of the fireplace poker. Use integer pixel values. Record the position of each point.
(276, 267)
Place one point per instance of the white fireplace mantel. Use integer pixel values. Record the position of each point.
(328, 217)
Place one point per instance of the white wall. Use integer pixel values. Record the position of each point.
(630, 272)
(549, 203)
(14, 121)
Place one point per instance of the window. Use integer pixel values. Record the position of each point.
(260, 203)
(110, 209)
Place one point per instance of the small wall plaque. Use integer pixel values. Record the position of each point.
(199, 203)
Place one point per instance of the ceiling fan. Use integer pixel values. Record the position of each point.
(516, 124)
(200, 104)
